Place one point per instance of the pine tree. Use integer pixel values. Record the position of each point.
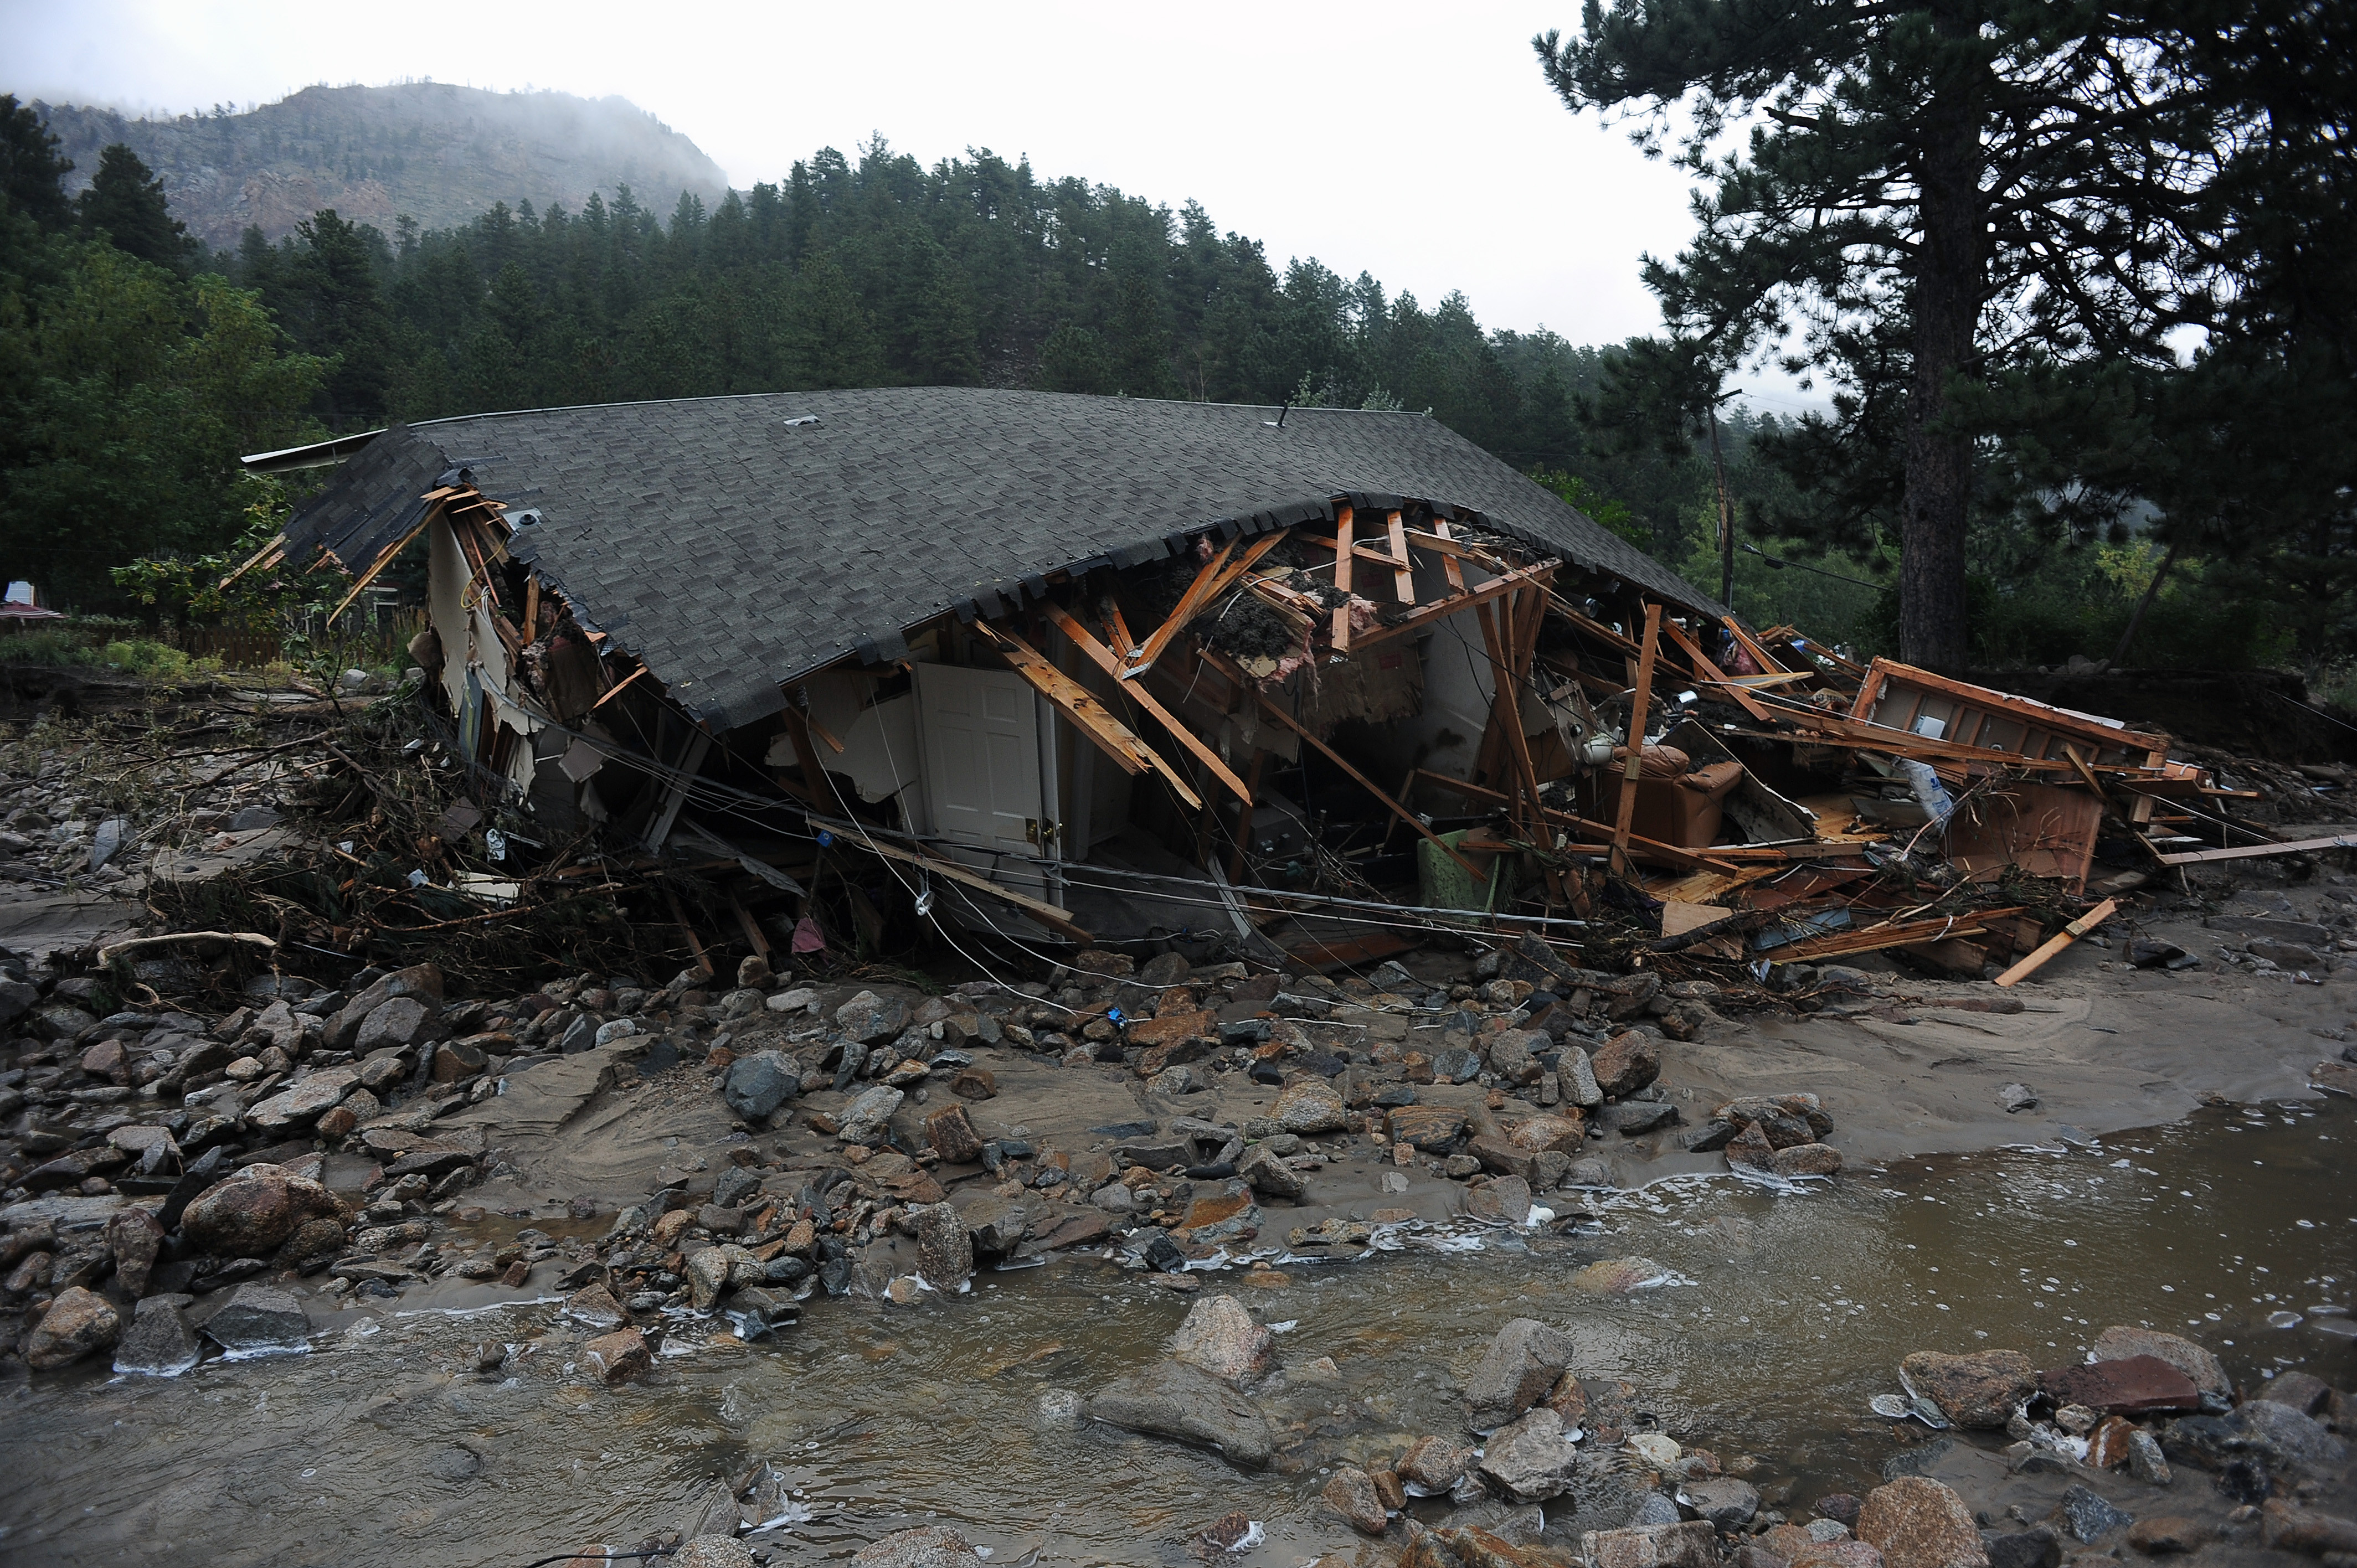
(1933, 191)
(31, 172)
(127, 204)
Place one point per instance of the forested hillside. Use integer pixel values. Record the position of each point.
(879, 271)
(437, 152)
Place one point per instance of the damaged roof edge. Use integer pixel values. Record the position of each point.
(318, 455)
(747, 697)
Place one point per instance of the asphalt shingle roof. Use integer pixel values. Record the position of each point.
(733, 549)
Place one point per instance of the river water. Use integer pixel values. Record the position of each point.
(1781, 1313)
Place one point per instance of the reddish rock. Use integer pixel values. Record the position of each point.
(952, 1133)
(1559, 1131)
(1220, 1211)
(1427, 1127)
(1981, 1391)
(1916, 1522)
(2107, 1445)
(2286, 1528)
(1171, 1028)
(619, 1356)
(1627, 1062)
(2120, 1343)
(78, 1323)
(251, 1214)
(1351, 1494)
(974, 1083)
(1806, 1160)
(2132, 1385)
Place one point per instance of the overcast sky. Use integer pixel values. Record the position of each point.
(1417, 143)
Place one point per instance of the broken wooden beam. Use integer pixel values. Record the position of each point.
(1104, 658)
(2260, 850)
(1639, 709)
(2055, 944)
(1046, 914)
(1091, 717)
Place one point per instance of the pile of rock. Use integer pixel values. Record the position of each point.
(1780, 1135)
(2143, 1400)
(162, 1154)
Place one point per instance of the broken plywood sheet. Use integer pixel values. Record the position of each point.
(2046, 830)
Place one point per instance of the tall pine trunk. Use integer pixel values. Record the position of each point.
(1950, 280)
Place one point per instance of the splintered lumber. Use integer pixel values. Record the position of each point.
(1710, 673)
(1213, 580)
(1651, 848)
(384, 559)
(1047, 915)
(1393, 806)
(1104, 658)
(1404, 574)
(1094, 719)
(2055, 944)
(1344, 555)
(277, 541)
(1898, 934)
(616, 689)
(1425, 615)
(1191, 604)
(1639, 707)
(1901, 697)
(2260, 850)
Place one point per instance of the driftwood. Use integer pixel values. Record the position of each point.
(140, 944)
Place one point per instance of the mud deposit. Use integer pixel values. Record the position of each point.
(1779, 1314)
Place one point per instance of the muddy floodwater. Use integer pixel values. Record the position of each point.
(1779, 1316)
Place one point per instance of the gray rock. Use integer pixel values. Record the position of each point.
(1456, 1065)
(1631, 1118)
(1220, 1336)
(1186, 1404)
(159, 1343)
(2016, 1097)
(1268, 1174)
(864, 1121)
(871, 1020)
(259, 1317)
(454, 1464)
(2088, 1517)
(110, 838)
(1519, 1369)
(1725, 1501)
(250, 818)
(933, 1546)
(2287, 1436)
(2146, 1461)
(16, 998)
(399, 1021)
(757, 1085)
(944, 1247)
(305, 1100)
(1529, 1459)
(1655, 1511)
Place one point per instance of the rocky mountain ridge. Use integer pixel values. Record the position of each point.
(438, 153)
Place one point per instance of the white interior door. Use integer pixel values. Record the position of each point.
(981, 734)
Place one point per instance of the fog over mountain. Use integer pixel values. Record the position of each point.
(440, 153)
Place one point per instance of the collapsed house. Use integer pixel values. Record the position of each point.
(1291, 683)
